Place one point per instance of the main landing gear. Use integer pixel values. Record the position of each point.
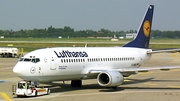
(76, 83)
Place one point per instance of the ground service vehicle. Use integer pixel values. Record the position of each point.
(8, 52)
(29, 88)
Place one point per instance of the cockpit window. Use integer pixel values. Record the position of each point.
(37, 60)
(27, 59)
(21, 59)
(34, 60)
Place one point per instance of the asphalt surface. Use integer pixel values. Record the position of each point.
(151, 86)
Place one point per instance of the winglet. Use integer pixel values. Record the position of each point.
(143, 34)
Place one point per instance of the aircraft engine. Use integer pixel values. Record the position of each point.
(110, 79)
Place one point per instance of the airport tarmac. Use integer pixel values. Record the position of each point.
(151, 86)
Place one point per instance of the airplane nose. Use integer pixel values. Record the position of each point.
(16, 69)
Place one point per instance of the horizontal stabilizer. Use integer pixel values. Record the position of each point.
(162, 51)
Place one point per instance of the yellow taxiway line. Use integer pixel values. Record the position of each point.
(174, 86)
(5, 96)
(151, 84)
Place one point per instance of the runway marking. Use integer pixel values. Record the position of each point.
(6, 68)
(174, 70)
(123, 92)
(145, 73)
(174, 86)
(5, 96)
(175, 54)
(151, 84)
(127, 80)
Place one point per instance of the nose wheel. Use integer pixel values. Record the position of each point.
(76, 83)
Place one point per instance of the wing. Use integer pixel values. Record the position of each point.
(146, 69)
(96, 70)
(131, 70)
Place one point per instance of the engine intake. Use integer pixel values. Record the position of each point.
(110, 79)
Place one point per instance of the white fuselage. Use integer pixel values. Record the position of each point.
(56, 64)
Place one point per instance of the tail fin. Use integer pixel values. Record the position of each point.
(143, 34)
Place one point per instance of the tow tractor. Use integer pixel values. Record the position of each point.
(29, 88)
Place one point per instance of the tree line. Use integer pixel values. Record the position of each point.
(68, 32)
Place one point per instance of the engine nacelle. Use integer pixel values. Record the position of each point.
(110, 79)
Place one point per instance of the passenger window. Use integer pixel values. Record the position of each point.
(71, 60)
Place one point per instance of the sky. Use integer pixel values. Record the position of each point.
(114, 15)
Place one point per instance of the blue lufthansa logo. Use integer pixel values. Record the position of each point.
(33, 70)
(66, 53)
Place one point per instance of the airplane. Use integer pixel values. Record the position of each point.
(109, 65)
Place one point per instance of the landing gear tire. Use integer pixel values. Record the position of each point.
(79, 83)
(73, 83)
(76, 83)
(48, 91)
(36, 94)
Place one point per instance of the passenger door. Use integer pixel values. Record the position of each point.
(52, 61)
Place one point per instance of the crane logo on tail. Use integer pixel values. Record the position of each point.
(146, 28)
